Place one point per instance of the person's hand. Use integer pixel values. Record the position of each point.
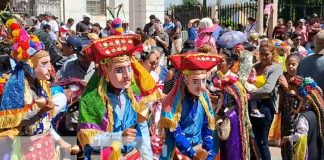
(66, 146)
(283, 82)
(214, 99)
(157, 38)
(284, 140)
(201, 154)
(129, 135)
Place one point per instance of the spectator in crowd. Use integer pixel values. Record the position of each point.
(148, 28)
(96, 29)
(66, 29)
(279, 30)
(85, 25)
(240, 27)
(48, 19)
(47, 29)
(105, 32)
(176, 37)
(268, 11)
(302, 30)
(126, 29)
(313, 28)
(168, 24)
(297, 47)
(290, 29)
(206, 28)
(79, 67)
(161, 38)
(252, 26)
(269, 68)
(193, 29)
(312, 66)
(218, 30)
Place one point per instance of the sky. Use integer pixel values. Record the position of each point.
(209, 2)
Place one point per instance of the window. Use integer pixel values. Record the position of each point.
(96, 7)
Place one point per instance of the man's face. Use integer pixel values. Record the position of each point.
(85, 63)
(71, 23)
(152, 20)
(157, 27)
(120, 74)
(47, 18)
(196, 82)
(43, 68)
(108, 25)
(86, 19)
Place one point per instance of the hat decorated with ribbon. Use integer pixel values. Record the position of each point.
(25, 45)
(102, 49)
(195, 61)
(172, 106)
(16, 99)
(104, 52)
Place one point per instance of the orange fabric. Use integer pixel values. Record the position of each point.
(235, 67)
(275, 131)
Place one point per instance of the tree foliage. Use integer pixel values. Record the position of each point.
(190, 3)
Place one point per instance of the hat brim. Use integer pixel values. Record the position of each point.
(208, 30)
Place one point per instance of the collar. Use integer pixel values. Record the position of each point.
(115, 91)
(189, 96)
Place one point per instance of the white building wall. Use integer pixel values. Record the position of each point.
(137, 12)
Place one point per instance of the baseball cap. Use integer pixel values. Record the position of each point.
(75, 42)
(302, 20)
(48, 13)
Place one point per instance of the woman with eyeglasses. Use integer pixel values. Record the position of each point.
(150, 59)
(298, 48)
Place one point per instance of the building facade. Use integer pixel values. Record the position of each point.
(136, 12)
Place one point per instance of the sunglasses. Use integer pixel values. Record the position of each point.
(298, 39)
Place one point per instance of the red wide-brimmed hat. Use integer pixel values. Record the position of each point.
(112, 46)
(195, 61)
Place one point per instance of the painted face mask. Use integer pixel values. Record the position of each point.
(120, 73)
(196, 82)
(43, 68)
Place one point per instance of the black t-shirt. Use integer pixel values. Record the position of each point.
(148, 28)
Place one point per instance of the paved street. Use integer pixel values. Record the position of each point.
(275, 153)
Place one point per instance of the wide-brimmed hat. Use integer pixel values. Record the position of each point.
(319, 42)
(206, 26)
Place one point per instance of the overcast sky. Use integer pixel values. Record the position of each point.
(209, 2)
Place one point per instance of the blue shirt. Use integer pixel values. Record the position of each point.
(192, 33)
(168, 26)
(217, 32)
(192, 130)
(125, 117)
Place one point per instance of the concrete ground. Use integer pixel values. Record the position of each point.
(275, 153)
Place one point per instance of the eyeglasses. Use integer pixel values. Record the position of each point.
(298, 39)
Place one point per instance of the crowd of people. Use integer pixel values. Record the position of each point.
(150, 94)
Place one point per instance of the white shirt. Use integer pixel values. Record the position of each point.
(301, 129)
(128, 32)
(52, 23)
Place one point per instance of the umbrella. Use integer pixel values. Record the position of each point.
(230, 39)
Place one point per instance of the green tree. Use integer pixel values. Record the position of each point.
(190, 3)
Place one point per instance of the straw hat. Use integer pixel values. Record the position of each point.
(206, 26)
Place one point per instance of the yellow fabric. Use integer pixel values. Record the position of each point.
(275, 131)
(260, 81)
(144, 80)
(300, 148)
(85, 136)
(116, 145)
